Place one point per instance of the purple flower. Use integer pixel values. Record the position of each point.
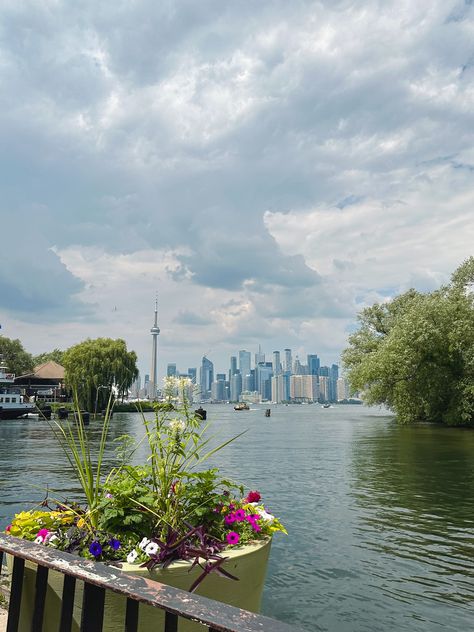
(240, 515)
(95, 548)
(232, 537)
(114, 544)
(229, 519)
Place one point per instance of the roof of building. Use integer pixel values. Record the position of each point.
(48, 370)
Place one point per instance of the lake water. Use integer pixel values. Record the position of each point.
(380, 517)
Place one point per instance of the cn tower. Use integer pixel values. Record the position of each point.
(155, 330)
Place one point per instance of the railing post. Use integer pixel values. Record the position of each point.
(15, 594)
(40, 598)
(92, 608)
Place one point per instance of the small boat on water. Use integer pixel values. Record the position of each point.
(12, 405)
(201, 413)
(326, 406)
(242, 406)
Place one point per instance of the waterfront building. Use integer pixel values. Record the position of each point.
(206, 377)
(314, 364)
(235, 387)
(218, 389)
(304, 388)
(136, 387)
(264, 373)
(324, 388)
(251, 397)
(287, 363)
(281, 387)
(244, 362)
(192, 374)
(276, 365)
(155, 331)
(233, 367)
(248, 381)
(171, 370)
(343, 391)
(298, 368)
(145, 392)
(333, 377)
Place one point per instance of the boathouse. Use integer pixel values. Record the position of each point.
(46, 382)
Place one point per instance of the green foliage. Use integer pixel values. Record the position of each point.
(86, 466)
(416, 353)
(15, 357)
(26, 524)
(170, 489)
(93, 367)
(56, 356)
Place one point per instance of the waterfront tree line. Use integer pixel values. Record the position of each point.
(93, 368)
(415, 354)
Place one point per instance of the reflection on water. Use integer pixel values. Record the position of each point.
(414, 490)
(380, 517)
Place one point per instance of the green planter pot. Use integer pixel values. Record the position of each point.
(248, 563)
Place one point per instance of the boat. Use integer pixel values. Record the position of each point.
(326, 406)
(12, 405)
(242, 406)
(201, 413)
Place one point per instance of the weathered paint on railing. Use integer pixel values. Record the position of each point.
(217, 616)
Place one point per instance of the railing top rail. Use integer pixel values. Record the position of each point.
(216, 615)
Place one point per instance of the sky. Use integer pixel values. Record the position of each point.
(268, 168)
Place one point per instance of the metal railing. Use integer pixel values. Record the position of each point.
(99, 578)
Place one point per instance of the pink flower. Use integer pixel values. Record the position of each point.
(232, 537)
(42, 534)
(240, 515)
(253, 497)
(8, 529)
(229, 519)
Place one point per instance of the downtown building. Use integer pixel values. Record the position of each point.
(304, 388)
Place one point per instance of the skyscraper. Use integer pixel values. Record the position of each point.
(244, 363)
(192, 373)
(155, 330)
(206, 377)
(288, 363)
(259, 356)
(313, 364)
(171, 370)
(276, 365)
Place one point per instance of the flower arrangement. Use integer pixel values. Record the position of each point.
(167, 509)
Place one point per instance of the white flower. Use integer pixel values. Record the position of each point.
(39, 539)
(265, 515)
(144, 543)
(132, 556)
(177, 425)
(151, 548)
(52, 539)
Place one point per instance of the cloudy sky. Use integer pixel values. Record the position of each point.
(269, 168)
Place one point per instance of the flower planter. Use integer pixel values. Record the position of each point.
(248, 563)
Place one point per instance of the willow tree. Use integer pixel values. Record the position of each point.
(415, 354)
(96, 368)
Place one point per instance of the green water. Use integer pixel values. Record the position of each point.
(380, 517)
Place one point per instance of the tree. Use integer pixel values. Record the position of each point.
(415, 354)
(13, 355)
(56, 356)
(95, 367)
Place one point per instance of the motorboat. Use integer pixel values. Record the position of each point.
(242, 406)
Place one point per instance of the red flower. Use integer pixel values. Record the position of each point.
(253, 497)
(8, 529)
